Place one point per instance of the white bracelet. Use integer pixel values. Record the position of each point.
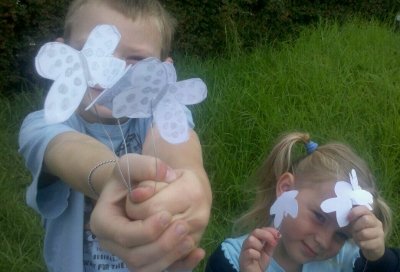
(89, 179)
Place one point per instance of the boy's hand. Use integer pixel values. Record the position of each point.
(184, 199)
(257, 249)
(149, 243)
(367, 232)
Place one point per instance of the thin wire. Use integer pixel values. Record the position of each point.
(154, 142)
(126, 183)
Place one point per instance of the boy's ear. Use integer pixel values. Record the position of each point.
(169, 59)
(285, 183)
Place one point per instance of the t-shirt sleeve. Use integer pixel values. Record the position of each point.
(48, 198)
(389, 262)
(217, 262)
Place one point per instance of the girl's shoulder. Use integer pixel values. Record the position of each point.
(343, 261)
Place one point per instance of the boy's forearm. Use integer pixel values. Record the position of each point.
(187, 155)
(70, 156)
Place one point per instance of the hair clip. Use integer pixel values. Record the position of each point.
(311, 147)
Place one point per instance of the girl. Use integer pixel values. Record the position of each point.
(310, 239)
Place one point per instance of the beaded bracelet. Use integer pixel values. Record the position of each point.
(89, 179)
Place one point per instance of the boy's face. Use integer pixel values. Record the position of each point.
(313, 235)
(140, 39)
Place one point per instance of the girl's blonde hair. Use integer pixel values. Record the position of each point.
(132, 9)
(329, 162)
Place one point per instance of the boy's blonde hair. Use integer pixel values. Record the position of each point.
(132, 9)
(329, 162)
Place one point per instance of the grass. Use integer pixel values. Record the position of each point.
(21, 232)
(335, 82)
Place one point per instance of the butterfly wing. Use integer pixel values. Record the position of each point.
(171, 120)
(189, 91)
(55, 59)
(64, 97)
(170, 71)
(62, 64)
(143, 87)
(277, 210)
(103, 69)
(292, 207)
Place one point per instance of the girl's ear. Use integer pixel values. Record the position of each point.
(285, 183)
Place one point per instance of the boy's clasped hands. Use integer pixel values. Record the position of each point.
(153, 226)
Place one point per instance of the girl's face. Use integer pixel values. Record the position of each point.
(313, 235)
(140, 39)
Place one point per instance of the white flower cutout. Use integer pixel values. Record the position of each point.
(150, 89)
(347, 195)
(74, 71)
(285, 204)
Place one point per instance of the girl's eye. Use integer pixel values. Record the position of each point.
(320, 218)
(342, 236)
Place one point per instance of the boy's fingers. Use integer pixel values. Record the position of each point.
(172, 245)
(144, 190)
(189, 262)
(137, 168)
(131, 233)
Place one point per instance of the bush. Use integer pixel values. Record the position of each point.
(206, 27)
(25, 26)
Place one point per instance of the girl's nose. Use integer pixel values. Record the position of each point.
(324, 238)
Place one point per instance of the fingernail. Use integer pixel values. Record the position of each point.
(165, 219)
(170, 175)
(180, 230)
(278, 235)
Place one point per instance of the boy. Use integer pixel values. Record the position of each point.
(152, 229)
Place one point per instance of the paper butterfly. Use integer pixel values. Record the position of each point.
(285, 204)
(74, 71)
(347, 195)
(150, 88)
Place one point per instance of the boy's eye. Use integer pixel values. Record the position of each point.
(320, 218)
(134, 59)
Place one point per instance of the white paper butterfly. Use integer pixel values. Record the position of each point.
(347, 195)
(150, 88)
(285, 204)
(73, 71)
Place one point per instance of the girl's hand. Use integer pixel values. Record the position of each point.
(367, 232)
(257, 249)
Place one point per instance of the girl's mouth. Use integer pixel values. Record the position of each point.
(309, 251)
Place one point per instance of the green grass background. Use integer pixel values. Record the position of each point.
(335, 82)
